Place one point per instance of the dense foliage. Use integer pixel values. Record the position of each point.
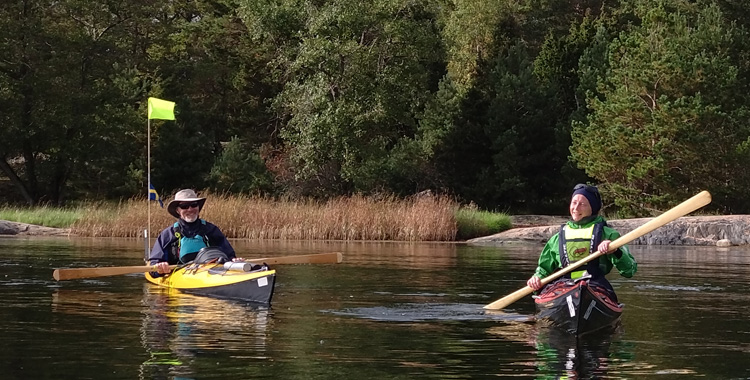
(503, 103)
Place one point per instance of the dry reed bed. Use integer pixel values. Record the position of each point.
(242, 217)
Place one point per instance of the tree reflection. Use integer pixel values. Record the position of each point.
(561, 355)
(178, 330)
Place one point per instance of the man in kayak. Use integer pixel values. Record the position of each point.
(585, 233)
(181, 242)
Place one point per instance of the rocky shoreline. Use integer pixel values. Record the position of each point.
(23, 229)
(717, 230)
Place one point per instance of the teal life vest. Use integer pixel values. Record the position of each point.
(577, 243)
(186, 248)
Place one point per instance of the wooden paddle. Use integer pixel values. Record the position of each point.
(74, 273)
(318, 258)
(701, 199)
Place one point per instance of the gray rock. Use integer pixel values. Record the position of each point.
(689, 230)
(13, 228)
(724, 243)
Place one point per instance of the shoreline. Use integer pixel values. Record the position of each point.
(717, 230)
(8, 228)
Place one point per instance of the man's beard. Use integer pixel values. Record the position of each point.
(190, 219)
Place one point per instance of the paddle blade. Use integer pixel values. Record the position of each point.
(318, 258)
(75, 273)
(699, 200)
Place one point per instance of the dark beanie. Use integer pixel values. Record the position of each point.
(592, 195)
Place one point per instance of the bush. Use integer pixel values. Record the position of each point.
(475, 223)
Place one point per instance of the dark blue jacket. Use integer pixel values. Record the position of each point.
(162, 250)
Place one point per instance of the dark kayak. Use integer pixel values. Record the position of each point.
(577, 307)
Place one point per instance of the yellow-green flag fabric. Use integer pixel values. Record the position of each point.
(160, 109)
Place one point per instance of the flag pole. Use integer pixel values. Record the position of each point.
(147, 231)
(157, 109)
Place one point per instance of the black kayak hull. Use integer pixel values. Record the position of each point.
(577, 307)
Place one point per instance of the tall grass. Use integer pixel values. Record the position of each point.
(249, 217)
(472, 223)
(43, 216)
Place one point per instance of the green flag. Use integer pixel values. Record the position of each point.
(160, 109)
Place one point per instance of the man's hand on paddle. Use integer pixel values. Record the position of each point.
(162, 267)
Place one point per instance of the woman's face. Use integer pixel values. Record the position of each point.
(579, 207)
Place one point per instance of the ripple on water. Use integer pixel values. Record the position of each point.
(679, 288)
(417, 312)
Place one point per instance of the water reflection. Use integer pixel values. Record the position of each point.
(389, 311)
(97, 304)
(390, 254)
(560, 355)
(177, 327)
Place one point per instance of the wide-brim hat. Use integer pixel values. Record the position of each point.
(185, 195)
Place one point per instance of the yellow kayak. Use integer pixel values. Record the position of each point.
(218, 280)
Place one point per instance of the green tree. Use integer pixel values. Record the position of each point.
(240, 170)
(669, 112)
(204, 58)
(356, 80)
(499, 126)
(504, 135)
(65, 117)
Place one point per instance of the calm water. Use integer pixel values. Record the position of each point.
(390, 311)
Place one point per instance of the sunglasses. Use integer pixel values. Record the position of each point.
(186, 206)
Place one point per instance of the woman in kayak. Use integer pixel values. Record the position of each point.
(585, 233)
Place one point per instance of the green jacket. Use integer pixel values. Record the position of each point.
(549, 259)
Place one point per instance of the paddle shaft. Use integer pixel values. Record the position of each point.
(75, 273)
(320, 258)
(701, 199)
